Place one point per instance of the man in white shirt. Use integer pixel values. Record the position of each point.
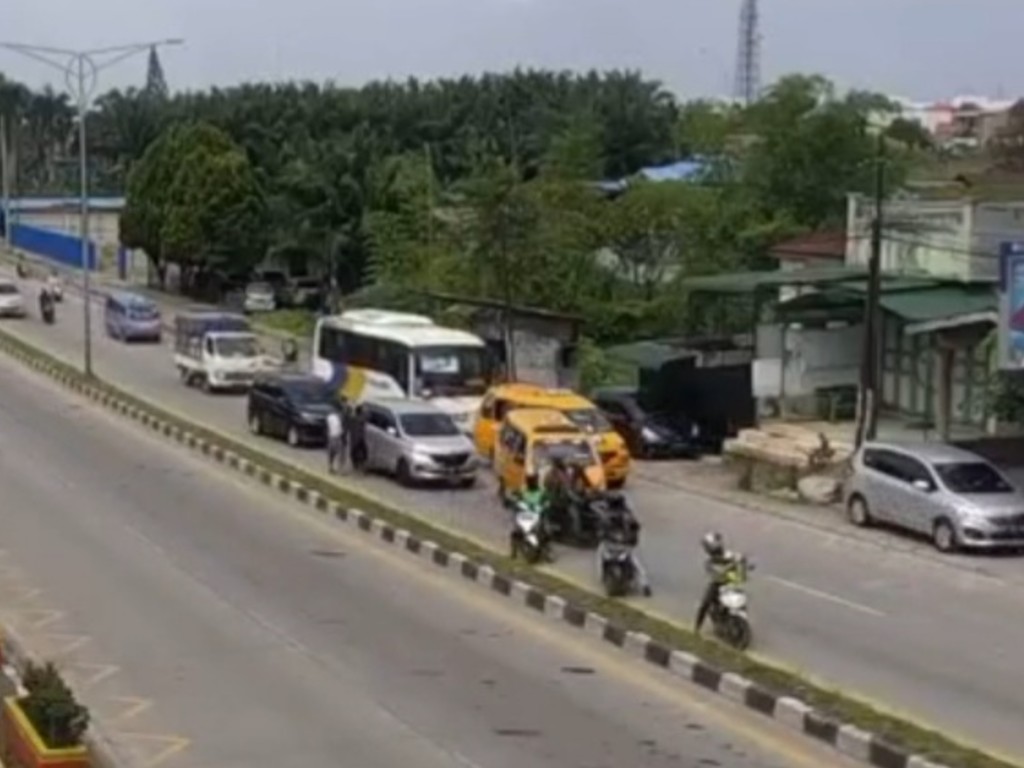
(336, 448)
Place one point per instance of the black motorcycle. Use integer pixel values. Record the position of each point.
(618, 573)
(576, 520)
(47, 309)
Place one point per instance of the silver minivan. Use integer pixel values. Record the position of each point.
(954, 497)
(417, 442)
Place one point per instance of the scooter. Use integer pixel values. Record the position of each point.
(530, 537)
(729, 616)
(617, 570)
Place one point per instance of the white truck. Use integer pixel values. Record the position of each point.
(218, 351)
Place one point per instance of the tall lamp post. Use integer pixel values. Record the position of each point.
(81, 74)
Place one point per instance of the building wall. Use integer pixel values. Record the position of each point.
(910, 369)
(103, 225)
(953, 240)
(815, 358)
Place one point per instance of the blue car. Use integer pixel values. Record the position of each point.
(130, 317)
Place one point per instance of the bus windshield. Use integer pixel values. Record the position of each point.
(451, 371)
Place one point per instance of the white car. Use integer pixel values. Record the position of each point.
(259, 297)
(12, 303)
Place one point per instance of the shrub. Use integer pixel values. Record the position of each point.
(51, 707)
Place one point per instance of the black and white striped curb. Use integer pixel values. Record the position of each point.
(851, 741)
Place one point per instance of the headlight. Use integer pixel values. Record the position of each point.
(649, 435)
(421, 457)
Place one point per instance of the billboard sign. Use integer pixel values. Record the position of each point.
(1011, 305)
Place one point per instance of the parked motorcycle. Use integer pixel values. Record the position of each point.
(530, 537)
(617, 570)
(729, 616)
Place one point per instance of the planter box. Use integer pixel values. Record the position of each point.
(24, 748)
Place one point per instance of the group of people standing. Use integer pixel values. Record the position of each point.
(346, 438)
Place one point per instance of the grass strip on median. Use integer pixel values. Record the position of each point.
(831, 703)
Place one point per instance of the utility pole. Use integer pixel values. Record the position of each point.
(5, 181)
(867, 424)
(81, 74)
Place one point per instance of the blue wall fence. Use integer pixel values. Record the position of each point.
(64, 249)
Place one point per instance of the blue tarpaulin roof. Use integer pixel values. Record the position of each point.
(683, 170)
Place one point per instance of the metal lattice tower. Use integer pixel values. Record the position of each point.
(748, 54)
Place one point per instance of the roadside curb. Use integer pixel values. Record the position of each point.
(14, 658)
(847, 739)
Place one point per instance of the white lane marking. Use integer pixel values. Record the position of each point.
(826, 596)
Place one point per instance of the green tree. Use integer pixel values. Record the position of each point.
(194, 200)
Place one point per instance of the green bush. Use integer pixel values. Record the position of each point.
(51, 707)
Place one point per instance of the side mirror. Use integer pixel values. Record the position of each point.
(392, 431)
(923, 485)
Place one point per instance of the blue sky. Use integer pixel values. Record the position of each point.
(918, 48)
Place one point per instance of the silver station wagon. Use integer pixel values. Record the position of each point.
(954, 497)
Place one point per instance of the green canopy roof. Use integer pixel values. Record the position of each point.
(940, 303)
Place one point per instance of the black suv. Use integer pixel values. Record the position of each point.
(292, 407)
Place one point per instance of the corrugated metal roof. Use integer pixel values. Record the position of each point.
(940, 303)
(748, 282)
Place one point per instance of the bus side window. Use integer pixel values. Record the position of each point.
(331, 347)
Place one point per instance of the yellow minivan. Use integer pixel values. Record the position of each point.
(502, 399)
(530, 438)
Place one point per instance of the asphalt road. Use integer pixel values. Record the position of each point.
(911, 632)
(208, 623)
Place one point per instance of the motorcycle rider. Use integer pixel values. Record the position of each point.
(532, 494)
(620, 526)
(558, 486)
(45, 301)
(720, 566)
(532, 497)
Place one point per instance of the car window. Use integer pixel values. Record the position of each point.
(612, 408)
(376, 418)
(885, 462)
(429, 425)
(8, 289)
(501, 407)
(911, 470)
(973, 477)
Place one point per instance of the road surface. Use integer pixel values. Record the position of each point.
(894, 627)
(209, 623)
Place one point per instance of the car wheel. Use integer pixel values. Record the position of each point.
(858, 513)
(255, 423)
(292, 436)
(944, 537)
(403, 474)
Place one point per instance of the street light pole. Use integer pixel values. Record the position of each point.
(5, 186)
(81, 74)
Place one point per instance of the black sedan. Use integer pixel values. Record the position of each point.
(649, 435)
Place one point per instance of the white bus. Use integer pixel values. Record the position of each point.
(376, 353)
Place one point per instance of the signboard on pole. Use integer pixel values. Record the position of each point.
(1011, 305)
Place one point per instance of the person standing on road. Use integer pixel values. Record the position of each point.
(357, 438)
(336, 439)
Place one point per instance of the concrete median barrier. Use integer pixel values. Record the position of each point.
(850, 726)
